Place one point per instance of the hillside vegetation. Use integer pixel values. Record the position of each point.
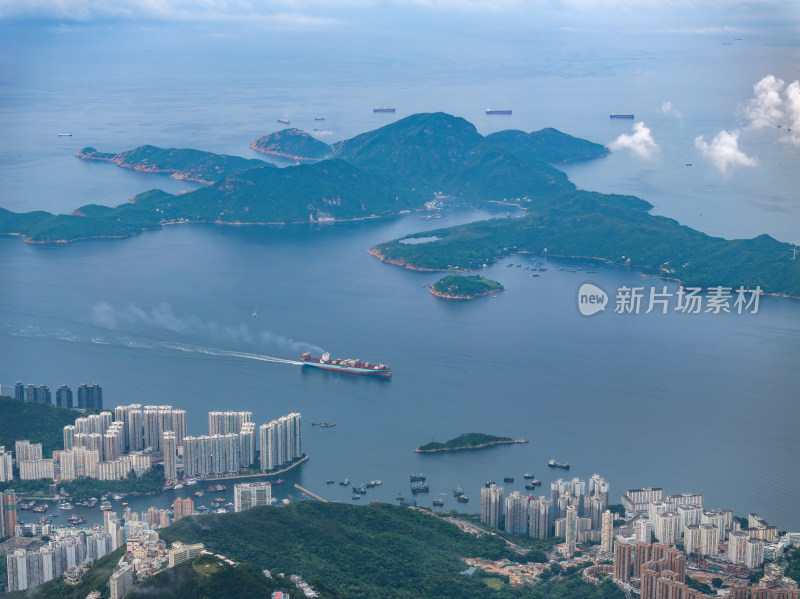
(613, 228)
(464, 287)
(292, 144)
(36, 422)
(192, 165)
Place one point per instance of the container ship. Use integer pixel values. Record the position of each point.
(554, 464)
(383, 110)
(492, 111)
(352, 366)
(614, 115)
(284, 121)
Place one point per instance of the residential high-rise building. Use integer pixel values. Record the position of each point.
(9, 499)
(121, 581)
(36, 469)
(6, 465)
(19, 391)
(636, 501)
(222, 423)
(64, 397)
(247, 444)
(131, 418)
(642, 553)
(169, 446)
(571, 529)
(737, 547)
(517, 513)
(709, 539)
(247, 495)
(664, 575)
(622, 561)
(280, 442)
(40, 394)
(688, 514)
(183, 507)
(692, 539)
(684, 499)
(607, 532)
(90, 396)
(643, 529)
(492, 505)
(180, 553)
(69, 436)
(25, 450)
(665, 527)
(754, 553)
(540, 518)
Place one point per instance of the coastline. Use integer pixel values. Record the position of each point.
(467, 447)
(462, 297)
(175, 174)
(302, 460)
(283, 155)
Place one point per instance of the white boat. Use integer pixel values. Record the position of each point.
(65, 134)
(66, 505)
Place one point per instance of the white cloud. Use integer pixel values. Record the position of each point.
(641, 142)
(724, 150)
(668, 109)
(776, 105)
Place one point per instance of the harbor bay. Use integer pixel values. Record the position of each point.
(206, 318)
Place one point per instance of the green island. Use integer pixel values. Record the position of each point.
(401, 166)
(292, 144)
(373, 551)
(609, 228)
(463, 287)
(192, 165)
(467, 441)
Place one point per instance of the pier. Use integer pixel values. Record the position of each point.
(310, 494)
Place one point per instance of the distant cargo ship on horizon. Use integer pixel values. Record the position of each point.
(614, 115)
(284, 121)
(383, 110)
(494, 111)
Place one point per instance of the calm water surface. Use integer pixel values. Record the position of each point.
(691, 403)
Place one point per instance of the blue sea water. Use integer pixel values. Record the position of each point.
(691, 403)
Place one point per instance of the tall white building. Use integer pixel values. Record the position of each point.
(280, 442)
(169, 446)
(6, 464)
(643, 529)
(247, 495)
(665, 527)
(540, 518)
(492, 505)
(517, 513)
(737, 547)
(754, 553)
(121, 581)
(571, 529)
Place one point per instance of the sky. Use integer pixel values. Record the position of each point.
(702, 17)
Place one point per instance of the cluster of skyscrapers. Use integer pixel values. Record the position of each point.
(89, 396)
(715, 536)
(68, 550)
(569, 512)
